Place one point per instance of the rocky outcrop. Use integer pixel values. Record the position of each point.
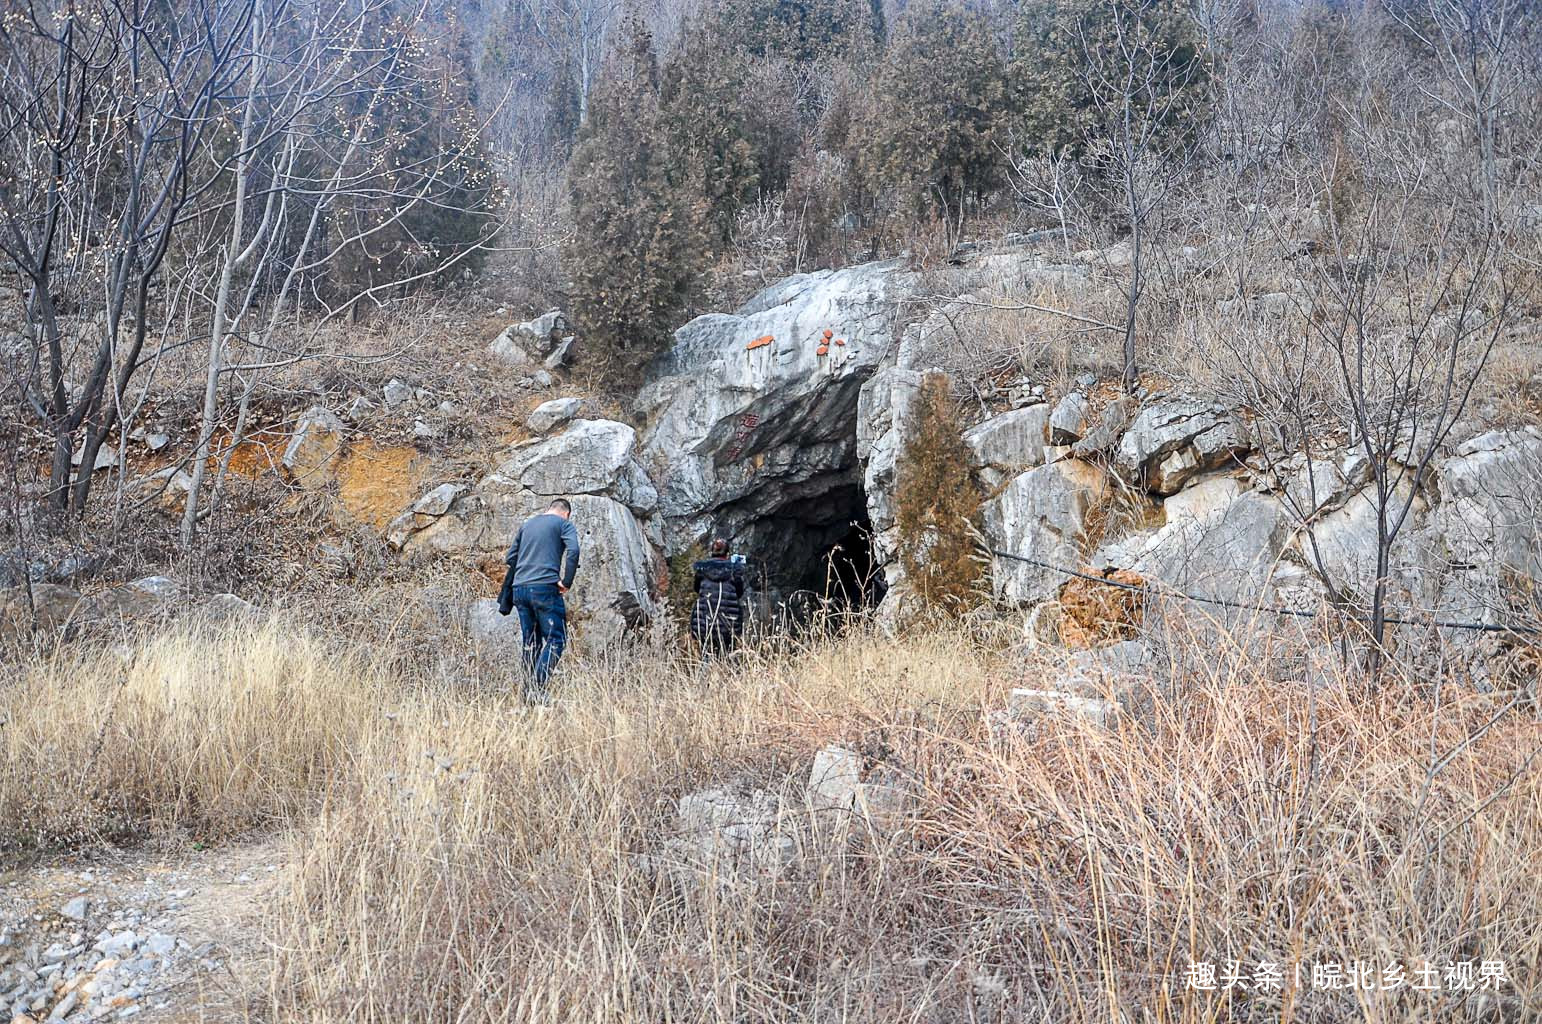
(1009, 443)
(592, 463)
(753, 437)
(1042, 515)
(1172, 441)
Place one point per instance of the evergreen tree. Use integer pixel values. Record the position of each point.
(1076, 60)
(799, 30)
(422, 190)
(936, 503)
(640, 223)
(943, 98)
(704, 119)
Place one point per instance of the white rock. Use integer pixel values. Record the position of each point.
(76, 908)
(396, 394)
(1042, 515)
(554, 413)
(312, 452)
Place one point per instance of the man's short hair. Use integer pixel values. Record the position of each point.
(560, 505)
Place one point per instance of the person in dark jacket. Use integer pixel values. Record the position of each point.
(718, 615)
(543, 560)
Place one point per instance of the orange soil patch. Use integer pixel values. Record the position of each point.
(376, 484)
(1092, 613)
(257, 455)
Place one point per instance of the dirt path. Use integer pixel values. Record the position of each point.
(143, 935)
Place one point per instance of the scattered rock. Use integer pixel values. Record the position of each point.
(1101, 439)
(360, 409)
(396, 394)
(1025, 706)
(76, 908)
(554, 413)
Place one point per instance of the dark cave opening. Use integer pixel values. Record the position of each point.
(814, 554)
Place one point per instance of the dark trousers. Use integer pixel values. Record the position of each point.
(543, 626)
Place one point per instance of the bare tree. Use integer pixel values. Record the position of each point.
(264, 143)
(1147, 87)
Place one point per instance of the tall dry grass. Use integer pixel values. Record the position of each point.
(459, 857)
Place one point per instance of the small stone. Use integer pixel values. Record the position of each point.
(155, 442)
(423, 430)
(160, 944)
(396, 394)
(76, 908)
(62, 1010)
(119, 945)
(359, 409)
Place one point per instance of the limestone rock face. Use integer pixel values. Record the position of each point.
(1010, 443)
(311, 456)
(1172, 441)
(593, 464)
(1491, 502)
(1226, 548)
(589, 457)
(883, 418)
(1042, 515)
(745, 433)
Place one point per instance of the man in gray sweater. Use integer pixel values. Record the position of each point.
(538, 577)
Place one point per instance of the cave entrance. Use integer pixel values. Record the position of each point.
(815, 553)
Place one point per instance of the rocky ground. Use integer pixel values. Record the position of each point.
(142, 935)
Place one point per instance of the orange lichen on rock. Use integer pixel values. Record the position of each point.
(1093, 613)
(760, 342)
(376, 483)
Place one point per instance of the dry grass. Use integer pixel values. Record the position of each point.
(459, 857)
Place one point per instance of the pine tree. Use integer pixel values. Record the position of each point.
(640, 223)
(936, 503)
(944, 109)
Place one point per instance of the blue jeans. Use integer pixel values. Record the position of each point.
(543, 625)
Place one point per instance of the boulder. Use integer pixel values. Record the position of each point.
(1172, 441)
(1008, 444)
(493, 629)
(1101, 439)
(311, 455)
(106, 457)
(552, 414)
(1042, 515)
(1226, 552)
(1069, 420)
(524, 346)
(589, 457)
